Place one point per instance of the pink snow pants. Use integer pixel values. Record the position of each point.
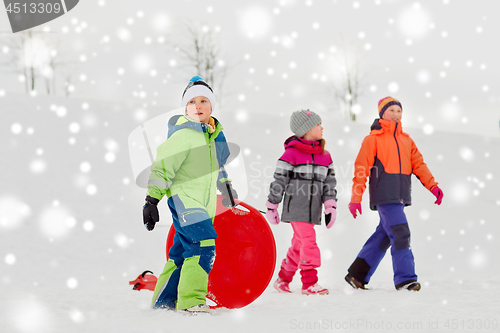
(303, 254)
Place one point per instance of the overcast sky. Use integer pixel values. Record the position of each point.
(438, 57)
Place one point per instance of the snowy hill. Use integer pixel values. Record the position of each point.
(72, 235)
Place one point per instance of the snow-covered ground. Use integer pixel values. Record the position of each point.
(72, 234)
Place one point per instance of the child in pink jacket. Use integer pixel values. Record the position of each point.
(305, 176)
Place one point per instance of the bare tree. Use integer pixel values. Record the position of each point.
(348, 85)
(200, 53)
(33, 54)
(13, 47)
(67, 71)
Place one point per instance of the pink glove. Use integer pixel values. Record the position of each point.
(330, 212)
(438, 194)
(353, 207)
(272, 213)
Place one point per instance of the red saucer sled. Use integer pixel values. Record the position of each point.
(144, 281)
(245, 255)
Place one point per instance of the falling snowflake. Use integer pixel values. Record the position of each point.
(467, 154)
(161, 22)
(111, 145)
(393, 87)
(255, 22)
(110, 157)
(77, 316)
(242, 116)
(414, 22)
(460, 193)
(327, 254)
(424, 214)
(88, 226)
(91, 189)
(10, 259)
(428, 129)
(30, 316)
(85, 167)
(72, 283)
(450, 111)
(13, 212)
(122, 241)
(142, 63)
(423, 77)
(61, 111)
(478, 259)
(56, 221)
(74, 128)
(16, 128)
(38, 166)
(140, 115)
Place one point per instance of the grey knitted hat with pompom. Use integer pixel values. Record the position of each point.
(302, 121)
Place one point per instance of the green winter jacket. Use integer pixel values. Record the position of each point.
(188, 166)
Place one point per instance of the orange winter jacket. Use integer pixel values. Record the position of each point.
(389, 156)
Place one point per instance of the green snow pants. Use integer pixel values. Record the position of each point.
(184, 280)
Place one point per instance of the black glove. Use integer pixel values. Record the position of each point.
(150, 213)
(227, 190)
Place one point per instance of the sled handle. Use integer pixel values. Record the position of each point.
(146, 272)
(230, 194)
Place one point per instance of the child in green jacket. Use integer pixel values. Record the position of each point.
(188, 169)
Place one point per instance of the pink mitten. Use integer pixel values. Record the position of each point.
(438, 194)
(330, 212)
(353, 207)
(272, 213)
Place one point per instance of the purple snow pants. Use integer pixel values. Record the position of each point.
(393, 232)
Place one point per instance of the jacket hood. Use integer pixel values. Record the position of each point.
(381, 125)
(307, 146)
(179, 122)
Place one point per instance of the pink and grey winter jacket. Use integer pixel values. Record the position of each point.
(305, 175)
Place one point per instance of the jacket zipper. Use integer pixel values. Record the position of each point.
(310, 189)
(207, 132)
(211, 167)
(399, 156)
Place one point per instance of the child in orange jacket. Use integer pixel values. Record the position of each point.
(389, 157)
